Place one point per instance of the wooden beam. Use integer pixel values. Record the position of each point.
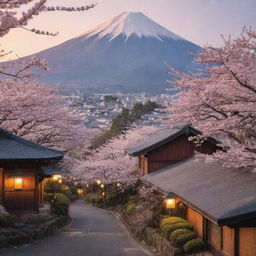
(236, 242)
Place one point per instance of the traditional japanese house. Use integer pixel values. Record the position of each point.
(219, 202)
(23, 166)
(168, 147)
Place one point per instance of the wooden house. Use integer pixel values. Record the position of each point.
(168, 147)
(22, 170)
(219, 202)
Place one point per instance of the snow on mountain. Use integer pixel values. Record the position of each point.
(129, 23)
(124, 54)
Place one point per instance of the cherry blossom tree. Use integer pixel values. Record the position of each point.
(17, 13)
(110, 163)
(37, 113)
(222, 100)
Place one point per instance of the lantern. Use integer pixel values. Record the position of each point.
(60, 181)
(18, 183)
(170, 201)
(18, 180)
(102, 186)
(56, 177)
(80, 191)
(98, 182)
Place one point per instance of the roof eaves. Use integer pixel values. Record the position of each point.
(30, 143)
(160, 143)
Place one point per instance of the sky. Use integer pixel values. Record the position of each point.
(199, 21)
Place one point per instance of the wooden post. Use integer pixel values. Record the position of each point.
(236, 242)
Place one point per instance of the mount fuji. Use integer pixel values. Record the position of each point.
(124, 54)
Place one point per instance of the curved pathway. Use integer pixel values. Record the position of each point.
(93, 232)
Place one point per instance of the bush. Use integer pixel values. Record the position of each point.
(167, 230)
(172, 220)
(175, 234)
(61, 205)
(182, 239)
(194, 246)
(129, 208)
(95, 199)
(34, 218)
(7, 220)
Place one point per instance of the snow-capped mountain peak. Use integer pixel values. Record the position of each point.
(130, 23)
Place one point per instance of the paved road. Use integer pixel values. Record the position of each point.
(93, 232)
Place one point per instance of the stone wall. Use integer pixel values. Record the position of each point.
(152, 237)
(21, 233)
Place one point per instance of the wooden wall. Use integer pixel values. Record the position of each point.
(247, 241)
(196, 219)
(214, 236)
(171, 153)
(21, 200)
(228, 244)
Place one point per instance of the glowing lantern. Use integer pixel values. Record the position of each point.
(80, 191)
(170, 201)
(118, 184)
(60, 181)
(102, 186)
(98, 182)
(18, 183)
(56, 177)
(103, 193)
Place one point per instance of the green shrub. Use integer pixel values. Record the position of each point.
(61, 204)
(172, 220)
(167, 230)
(175, 234)
(194, 246)
(129, 208)
(34, 218)
(95, 199)
(7, 220)
(182, 239)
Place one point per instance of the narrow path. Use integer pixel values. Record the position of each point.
(93, 232)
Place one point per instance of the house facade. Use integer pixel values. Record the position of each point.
(22, 166)
(219, 202)
(168, 147)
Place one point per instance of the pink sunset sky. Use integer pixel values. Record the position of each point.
(199, 21)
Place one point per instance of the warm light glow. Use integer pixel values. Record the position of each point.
(98, 182)
(80, 191)
(18, 182)
(118, 184)
(103, 193)
(170, 203)
(56, 177)
(60, 181)
(102, 186)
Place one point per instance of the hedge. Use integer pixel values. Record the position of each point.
(168, 229)
(61, 205)
(194, 246)
(172, 220)
(182, 239)
(175, 234)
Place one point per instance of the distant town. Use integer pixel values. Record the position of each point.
(100, 109)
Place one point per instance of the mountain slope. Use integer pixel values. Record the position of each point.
(126, 53)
